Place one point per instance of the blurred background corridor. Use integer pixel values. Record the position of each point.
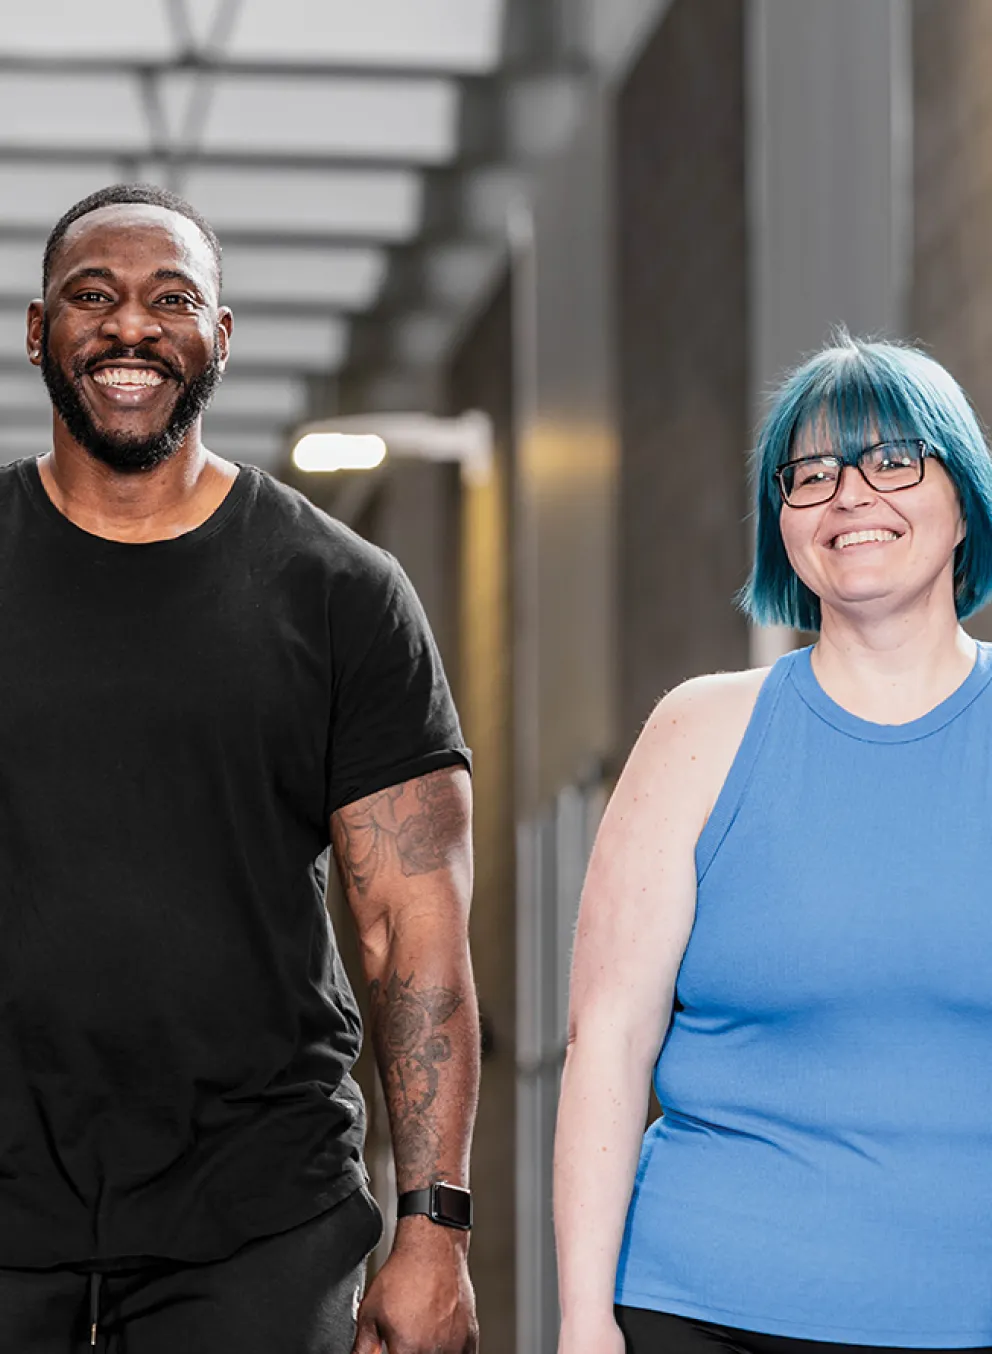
(601, 227)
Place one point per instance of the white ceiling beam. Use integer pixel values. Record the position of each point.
(99, 29)
(349, 279)
(23, 391)
(264, 398)
(399, 120)
(123, 114)
(462, 34)
(367, 205)
(97, 112)
(312, 344)
(36, 195)
(384, 205)
(20, 268)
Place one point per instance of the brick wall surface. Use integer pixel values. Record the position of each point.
(681, 252)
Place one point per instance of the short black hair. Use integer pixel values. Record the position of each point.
(144, 193)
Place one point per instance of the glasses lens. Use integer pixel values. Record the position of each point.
(811, 480)
(893, 465)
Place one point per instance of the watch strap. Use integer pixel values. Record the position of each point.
(414, 1201)
(447, 1205)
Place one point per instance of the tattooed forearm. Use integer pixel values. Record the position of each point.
(415, 825)
(411, 1045)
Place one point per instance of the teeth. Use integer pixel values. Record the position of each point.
(857, 537)
(127, 376)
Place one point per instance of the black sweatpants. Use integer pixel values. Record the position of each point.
(294, 1293)
(647, 1332)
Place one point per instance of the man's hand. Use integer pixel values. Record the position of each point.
(421, 1301)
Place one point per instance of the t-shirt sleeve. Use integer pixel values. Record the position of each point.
(393, 717)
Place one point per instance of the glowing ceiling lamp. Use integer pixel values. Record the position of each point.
(321, 451)
(360, 442)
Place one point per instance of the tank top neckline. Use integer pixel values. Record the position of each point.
(867, 731)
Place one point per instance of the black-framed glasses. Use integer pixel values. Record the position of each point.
(885, 467)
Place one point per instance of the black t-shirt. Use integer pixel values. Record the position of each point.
(178, 722)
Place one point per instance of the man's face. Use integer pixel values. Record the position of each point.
(131, 339)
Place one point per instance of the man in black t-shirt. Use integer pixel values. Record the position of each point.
(204, 682)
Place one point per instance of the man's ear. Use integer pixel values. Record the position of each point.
(36, 326)
(225, 323)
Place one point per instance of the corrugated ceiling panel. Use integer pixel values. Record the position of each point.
(13, 336)
(37, 195)
(20, 268)
(398, 119)
(268, 399)
(102, 112)
(460, 35)
(345, 278)
(31, 439)
(383, 204)
(312, 344)
(23, 391)
(100, 28)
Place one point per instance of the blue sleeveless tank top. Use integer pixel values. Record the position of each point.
(823, 1165)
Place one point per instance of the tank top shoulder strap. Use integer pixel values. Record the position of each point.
(738, 777)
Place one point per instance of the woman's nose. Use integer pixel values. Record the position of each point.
(854, 489)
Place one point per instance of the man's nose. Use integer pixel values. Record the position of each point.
(131, 323)
(854, 489)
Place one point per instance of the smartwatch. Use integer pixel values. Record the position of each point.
(447, 1205)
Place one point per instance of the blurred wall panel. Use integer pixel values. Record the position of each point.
(829, 169)
(480, 377)
(566, 468)
(952, 200)
(682, 269)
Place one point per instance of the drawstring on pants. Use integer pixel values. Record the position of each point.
(95, 1279)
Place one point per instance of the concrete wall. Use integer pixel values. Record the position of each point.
(481, 378)
(566, 466)
(682, 332)
(952, 200)
(829, 172)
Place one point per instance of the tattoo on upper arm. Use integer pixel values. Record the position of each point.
(406, 1023)
(416, 824)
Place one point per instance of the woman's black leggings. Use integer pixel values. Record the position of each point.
(647, 1332)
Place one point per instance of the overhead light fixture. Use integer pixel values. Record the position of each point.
(322, 451)
(466, 440)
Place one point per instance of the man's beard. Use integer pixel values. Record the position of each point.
(121, 451)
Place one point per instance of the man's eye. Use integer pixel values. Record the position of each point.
(90, 296)
(175, 298)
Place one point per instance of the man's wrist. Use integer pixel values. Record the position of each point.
(444, 1203)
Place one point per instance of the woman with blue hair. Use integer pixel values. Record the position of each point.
(788, 914)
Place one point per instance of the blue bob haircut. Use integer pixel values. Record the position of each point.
(853, 393)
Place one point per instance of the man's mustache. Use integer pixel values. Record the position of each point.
(120, 352)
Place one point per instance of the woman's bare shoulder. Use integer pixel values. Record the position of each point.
(726, 697)
(701, 723)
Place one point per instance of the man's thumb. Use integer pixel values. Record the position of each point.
(367, 1339)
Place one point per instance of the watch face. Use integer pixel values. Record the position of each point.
(453, 1205)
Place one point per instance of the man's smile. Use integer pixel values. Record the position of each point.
(127, 385)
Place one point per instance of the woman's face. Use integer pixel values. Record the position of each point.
(914, 533)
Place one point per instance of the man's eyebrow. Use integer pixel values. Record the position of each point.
(176, 274)
(86, 272)
(160, 275)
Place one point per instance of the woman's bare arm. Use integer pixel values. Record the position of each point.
(636, 915)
